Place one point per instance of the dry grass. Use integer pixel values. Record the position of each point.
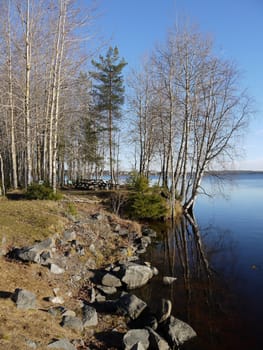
(21, 224)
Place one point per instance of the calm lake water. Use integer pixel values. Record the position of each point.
(218, 260)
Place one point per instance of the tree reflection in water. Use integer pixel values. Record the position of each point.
(200, 296)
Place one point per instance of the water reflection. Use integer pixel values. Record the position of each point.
(200, 296)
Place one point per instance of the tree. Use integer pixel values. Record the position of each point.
(142, 104)
(109, 94)
(201, 110)
(41, 56)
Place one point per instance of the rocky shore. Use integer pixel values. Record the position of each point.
(94, 299)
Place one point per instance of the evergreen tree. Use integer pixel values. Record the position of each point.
(109, 93)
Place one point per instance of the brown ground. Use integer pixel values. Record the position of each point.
(21, 224)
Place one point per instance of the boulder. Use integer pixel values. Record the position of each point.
(90, 317)
(69, 235)
(33, 253)
(72, 322)
(177, 332)
(156, 341)
(27, 254)
(135, 336)
(64, 344)
(136, 275)
(24, 299)
(110, 280)
(130, 305)
(46, 244)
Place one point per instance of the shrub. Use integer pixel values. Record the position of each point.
(37, 191)
(145, 202)
(138, 182)
(148, 206)
(72, 210)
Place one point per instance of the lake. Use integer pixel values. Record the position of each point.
(218, 260)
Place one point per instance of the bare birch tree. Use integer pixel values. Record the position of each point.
(201, 110)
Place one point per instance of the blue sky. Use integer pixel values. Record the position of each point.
(236, 26)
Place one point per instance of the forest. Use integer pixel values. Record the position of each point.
(63, 99)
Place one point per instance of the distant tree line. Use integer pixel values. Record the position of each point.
(61, 107)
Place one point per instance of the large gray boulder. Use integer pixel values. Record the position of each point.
(73, 323)
(24, 299)
(33, 253)
(64, 344)
(136, 275)
(134, 337)
(130, 305)
(177, 332)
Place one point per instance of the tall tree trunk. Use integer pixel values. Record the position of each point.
(11, 105)
(55, 95)
(2, 176)
(27, 99)
(112, 176)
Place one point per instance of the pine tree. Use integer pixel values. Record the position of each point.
(109, 93)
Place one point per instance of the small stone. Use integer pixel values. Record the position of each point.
(92, 249)
(56, 269)
(110, 280)
(100, 298)
(55, 291)
(56, 300)
(69, 235)
(90, 317)
(31, 344)
(97, 216)
(117, 228)
(155, 271)
(106, 290)
(167, 280)
(56, 310)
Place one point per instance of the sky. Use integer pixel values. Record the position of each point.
(236, 26)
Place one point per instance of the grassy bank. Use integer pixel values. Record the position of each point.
(22, 223)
